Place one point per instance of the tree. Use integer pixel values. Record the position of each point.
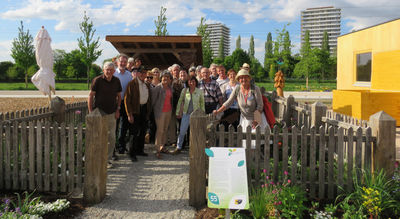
(269, 56)
(236, 60)
(238, 43)
(205, 42)
(325, 42)
(4, 66)
(251, 47)
(88, 46)
(324, 55)
(161, 23)
(59, 62)
(23, 51)
(221, 49)
(303, 68)
(15, 72)
(74, 59)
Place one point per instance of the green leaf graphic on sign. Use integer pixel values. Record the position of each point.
(213, 198)
(209, 152)
(241, 163)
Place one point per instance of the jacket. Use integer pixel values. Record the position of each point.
(132, 101)
(197, 98)
(158, 98)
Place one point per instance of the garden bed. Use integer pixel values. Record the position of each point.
(19, 104)
(75, 208)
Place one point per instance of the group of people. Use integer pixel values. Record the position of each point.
(150, 104)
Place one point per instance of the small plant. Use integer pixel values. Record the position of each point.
(30, 207)
(372, 195)
(277, 199)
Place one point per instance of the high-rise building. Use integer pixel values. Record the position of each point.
(217, 31)
(318, 20)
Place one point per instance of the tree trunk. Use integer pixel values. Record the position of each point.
(26, 78)
(88, 77)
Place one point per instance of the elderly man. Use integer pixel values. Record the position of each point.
(124, 77)
(212, 92)
(223, 78)
(213, 71)
(105, 94)
(177, 86)
(131, 64)
(138, 107)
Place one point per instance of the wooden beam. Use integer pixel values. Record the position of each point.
(149, 39)
(159, 54)
(155, 50)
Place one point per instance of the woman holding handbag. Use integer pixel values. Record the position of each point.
(162, 106)
(191, 99)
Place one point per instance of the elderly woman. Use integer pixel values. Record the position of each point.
(162, 107)
(249, 100)
(231, 115)
(191, 99)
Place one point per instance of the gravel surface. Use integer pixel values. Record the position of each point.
(149, 188)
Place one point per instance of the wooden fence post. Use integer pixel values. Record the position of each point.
(318, 110)
(57, 106)
(384, 152)
(94, 189)
(274, 104)
(197, 159)
(288, 114)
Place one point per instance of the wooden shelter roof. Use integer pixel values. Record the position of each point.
(160, 51)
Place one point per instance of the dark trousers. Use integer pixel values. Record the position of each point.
(138, 130)
(123, 126)
(152, 127)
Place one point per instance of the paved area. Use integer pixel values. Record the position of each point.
(149, 188)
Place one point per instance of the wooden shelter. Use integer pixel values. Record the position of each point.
(160, 51)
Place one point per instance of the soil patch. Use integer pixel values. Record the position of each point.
(19, 104)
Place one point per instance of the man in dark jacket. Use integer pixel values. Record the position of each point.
(138, 107)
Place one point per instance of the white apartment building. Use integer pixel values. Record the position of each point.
(318, 20)
(216, 32)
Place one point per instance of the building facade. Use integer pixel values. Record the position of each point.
(368, 72)
(318, 20)
(217, 31)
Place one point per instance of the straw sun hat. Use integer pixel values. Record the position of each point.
(242, 72)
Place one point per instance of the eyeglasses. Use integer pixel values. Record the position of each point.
(149, 77)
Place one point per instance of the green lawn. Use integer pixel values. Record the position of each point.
(59, 86)
(269, 86)
(301, 86)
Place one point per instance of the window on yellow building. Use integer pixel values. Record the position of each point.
(364, 67)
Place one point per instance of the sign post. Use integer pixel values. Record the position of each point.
(227, 178)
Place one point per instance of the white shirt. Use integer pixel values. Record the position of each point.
(143, 92)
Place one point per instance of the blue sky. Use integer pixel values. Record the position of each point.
(134, 17)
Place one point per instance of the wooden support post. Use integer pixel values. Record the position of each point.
(384, 152)
(318, 110)
(197, 159)
(274, 104)
(96, 151)
(288, 114)
(57, 106)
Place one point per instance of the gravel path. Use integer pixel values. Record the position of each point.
(149, 188)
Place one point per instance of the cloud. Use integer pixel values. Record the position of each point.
(68, 13)
(5, 50)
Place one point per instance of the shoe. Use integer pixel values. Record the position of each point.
(142, 154)
(176, 151)
(121, 150)
(114, 157)
(133, 158)
(109, 165)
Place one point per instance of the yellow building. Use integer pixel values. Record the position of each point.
(368, 72)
